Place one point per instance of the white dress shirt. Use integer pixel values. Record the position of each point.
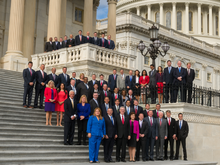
(152, 119)
(74, 106)
(123, 116)
(137, 80)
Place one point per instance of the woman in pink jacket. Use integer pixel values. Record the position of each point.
(134, 126)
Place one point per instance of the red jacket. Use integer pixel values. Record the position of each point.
(48, 94)
(144, 81)
(136, 127)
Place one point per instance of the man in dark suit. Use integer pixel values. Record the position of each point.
(130, 97)
(80, 39)
(95, 39)
(103, 42)
(116, 107)
(53, 77)
(137, 109)
(65, 42)
(110, 43)
(94, 103)
(123, 134)
(146, 110)
(55, 43)
(70, 107)
(168, 81)
(179, 82)
(128, 81)
(41, 81)
(152, 83)
(104, 107)
(182, 133)
(83, 89)
(104, 93)
(156, 111)
(64, 78)
(115, 96)
(29, 81)
(141, 144)
(74, 77)
(92, 82)
(111, 135)
(88, 39)
(101, 82)
(72, 87)
(112, 79)
(71, 41)
(189, 81)
(171, 125)
(152, 135)
(60, 44)
(49, 45)
(128, 107)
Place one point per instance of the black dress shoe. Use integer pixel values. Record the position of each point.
(66, 143)
(175, 158)
(185, 159)
(35, 106)
(123, 160)
(144, 160)
(162, 159)
(71, 143)
(165, 158)
(137, 159)
(147, 159)
(112, 161)
(117, 160)
(78, 143)
(106, 161)
(41, 107)
(151, 159)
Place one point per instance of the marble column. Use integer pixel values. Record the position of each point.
(149, 12)
(174, 16)
(94, 19)
(219, 21)
(187, 18)
(210, 20)
(88, 17)
(138, 11)
(29, 28)
(199, 18)
(54, 19)
(161, 14)
(63, 19)
(112, 19)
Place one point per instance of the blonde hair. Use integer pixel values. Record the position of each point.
(48, 84)
(80, 100)
(81, 75)
(97, 108)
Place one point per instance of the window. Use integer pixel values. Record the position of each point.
(79, 15)
(146, 60)
(209, 77)
(216, 22)
(168, 19)
(179, 20)
(190, 21)
(201, 22)
(146, 16)
(197, 73)
(157, 17)
(163, 63)
(208, 23)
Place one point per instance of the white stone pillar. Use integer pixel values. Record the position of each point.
(149, 12)
(88, 17)
(138, 10)
(29, 28)
(54, 19)
(161, 14)
(63, 19)
(199, 18)
(112, 19)
(174, 16)
(187, 17)
(210, 20)
(219, 21)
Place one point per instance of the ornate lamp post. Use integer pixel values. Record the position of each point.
(153, 48)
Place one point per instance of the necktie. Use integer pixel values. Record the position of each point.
(93, 82)
(112, 120)
(147, 112)
(86, 86)
(105, 94)
(122, 120)
(117, 108)
(87, 38)
(106, 107)
(157, 114)
(108, 42)
(101, 83)
(141, 124)
(188, 72)
(43, 74)
(128, 111)
(151, 121)
(102, 42)
(80, 38)
(114, 77)
(65, 77)
(72, 103)
(31, 72)
(169, 69)
(179, 69)
(169, 121)
(115, 96)
(152, 72)
(130, 78)
(180, 125)
(130, 98)
(53, 77)
(136, 111)
(160, 122)
(96, 102)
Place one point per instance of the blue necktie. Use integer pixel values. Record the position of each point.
(106, 107)
(130, 78)
(179, 69)
(128, 111)
(180, 125)
(169, 69)
(112, 120)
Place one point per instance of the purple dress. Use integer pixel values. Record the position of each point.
(50, 107)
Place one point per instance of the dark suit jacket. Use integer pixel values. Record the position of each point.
(55, 46)
(96, 42)
(49, 47)
(69, 111)
(105, 43)
(28, 78)
(152, 77)
(171, 128)
(123, 130)
(99, 84)
(131, 100)
(155, 114)
(183, 132)
(90, 40)
(77, 40)
(111, 45)
(65, 44)
(71, 42)
(128, 82)
(60, 46)
(113, 99)
(190, 77)
(143, 129)
(82, 90)
(91, 86)
(145, 113)
(152, 130)
(63, 80)
(102, 97)
(93, 105)
(112, 82)
(56, 81)
(111, 130)
(103, 108)
(140, 110)
(69, 88)
(40, 79)
(115, 112)
(177, 74)
(168, 77)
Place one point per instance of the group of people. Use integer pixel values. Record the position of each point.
(78, 40)
(109, 110)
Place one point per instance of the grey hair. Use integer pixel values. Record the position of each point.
(71, 91)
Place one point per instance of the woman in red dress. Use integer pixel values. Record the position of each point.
(61, 97)
(159, 84)
(144, 81)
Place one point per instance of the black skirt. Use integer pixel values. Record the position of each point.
(137, 91)
(133, 140)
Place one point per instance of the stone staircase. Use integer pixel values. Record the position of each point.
(24, 137)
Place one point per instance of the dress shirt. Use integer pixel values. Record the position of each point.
(86, 86)
(128, 110)
(188, 71)
(111, 119)
(60, 43)
(65, 76)
(136, 107)
(181, 123)
(95, 38)
(74, 89)
(74, 106)
(96, 90)
(42, 73)
(152, 71)
(117, 107)
(122, 75)
(140, 123)
(106, 106)
(151, 118)
(137, 80)
(123, 116)
(93, 81)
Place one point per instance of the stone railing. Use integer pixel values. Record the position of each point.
(84, 52)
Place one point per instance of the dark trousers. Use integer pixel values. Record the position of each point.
(82, 126)
(182, 88)
(37, 93)
(69, 129)
(28, 90)
(189, 89)
(121, 145)
(108, 148)
(168, 93)
(153, 91)
(159, 147)
(141, 144)
(171, 140)
(150, 143)
(183, 141)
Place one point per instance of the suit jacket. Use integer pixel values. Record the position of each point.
(162, 129)
(111, 82)
(55, 45)
(105, 44)
(110, 45)
(56, 81)
(183, 132)
(40, 79)
(65, 44)
(71, 42)
(49, 47)
(120, 83)
(93, 105)
(82, 90)
(28, 77)
(143, 129)
(131, 109)
(155, 113)
(123, 130)
(115, 111)
(77, 40)
(102, 97)
(91, 86)
(131, 100)
(113, 99)
(69, 88)
(69, 110)
(111, 129)
(153, 130)
(171, 128)
(190, 77)
(60, 46)
(101, 86)
(103, 108)
(96, 42)
(139, 110)
(135, 128)
(128, 82)
(96, 127)
(63, 80)
(152, 77)
(90, 40)
(145, 113)
(177, 74)
(48, 94)
(168, 77)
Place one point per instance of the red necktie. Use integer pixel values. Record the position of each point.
(169, 121)
(102, 43)
(122, 120)
(130, 98)
(136, 111)
(80, 38)
(105, 94)
(109, 42)
(151, 121)
(157, 114)
(114, 77)
(115, 96)
(31, 72)
(101, 83)
(87, 38)
(147, 112)
(160, 122)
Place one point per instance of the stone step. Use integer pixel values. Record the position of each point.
(18, 108)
